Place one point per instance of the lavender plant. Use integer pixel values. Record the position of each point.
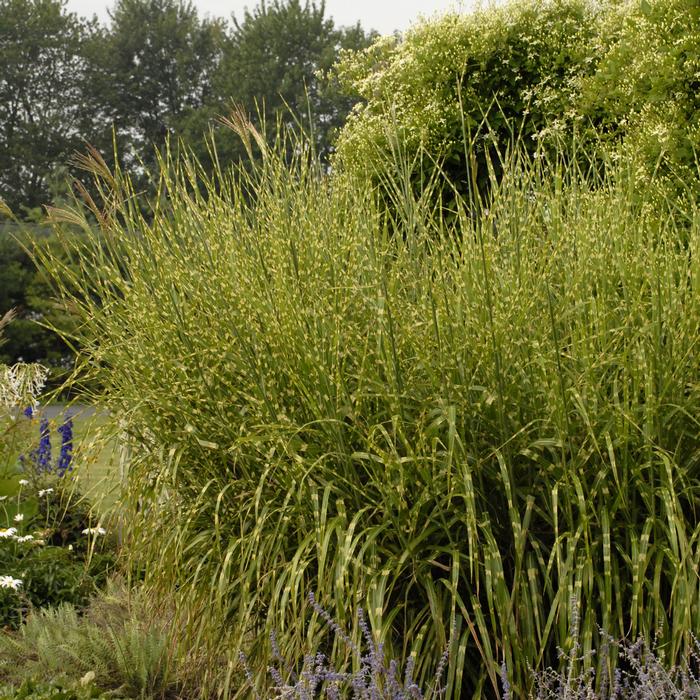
(375, 677)
(640, 674)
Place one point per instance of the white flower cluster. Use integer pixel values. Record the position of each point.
(20, 384)
(45, 492)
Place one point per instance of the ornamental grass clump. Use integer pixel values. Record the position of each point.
(459, 426)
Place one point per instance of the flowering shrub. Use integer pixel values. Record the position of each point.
(506, 72)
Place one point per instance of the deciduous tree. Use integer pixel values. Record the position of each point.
(41, 103)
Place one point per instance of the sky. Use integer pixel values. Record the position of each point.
(383, 15)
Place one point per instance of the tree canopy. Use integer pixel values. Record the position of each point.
(157, 71)
(42, 84)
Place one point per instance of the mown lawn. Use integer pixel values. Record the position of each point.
(96, 461)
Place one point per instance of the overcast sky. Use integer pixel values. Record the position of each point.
(383, 15)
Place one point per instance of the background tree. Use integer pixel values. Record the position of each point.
(276, 61)
(151, 69)
(25, 289)
(42, 67)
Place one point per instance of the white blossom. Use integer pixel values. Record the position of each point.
(8, 533)
(19, 517)
(24, 538)
(9, 582)
(45, 492)
(23, 482)
(94, 531)
(20, 384)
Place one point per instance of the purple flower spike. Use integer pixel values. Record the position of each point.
(66, 455)
(42, 454)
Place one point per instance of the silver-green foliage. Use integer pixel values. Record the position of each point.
(458, 429)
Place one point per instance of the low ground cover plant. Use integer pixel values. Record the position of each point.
(32, 690)
(118, 643)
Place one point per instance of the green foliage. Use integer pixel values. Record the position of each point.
(121, 640)
(34, 690)
(462, 428)
(41, 99)
(506, 73)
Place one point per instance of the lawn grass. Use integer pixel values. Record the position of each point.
(97, 459)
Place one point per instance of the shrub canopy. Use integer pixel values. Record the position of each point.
(552, 71)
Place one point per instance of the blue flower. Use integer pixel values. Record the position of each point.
(42, 455)
(66, 455)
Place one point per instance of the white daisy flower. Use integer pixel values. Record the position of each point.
(8, 533)
(23, 482)
(3, 498)
(19, 517)
(94, 531)
(24, 538)
(45, 492)
(9, 582)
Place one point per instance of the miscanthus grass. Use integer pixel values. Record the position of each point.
(458, 426)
